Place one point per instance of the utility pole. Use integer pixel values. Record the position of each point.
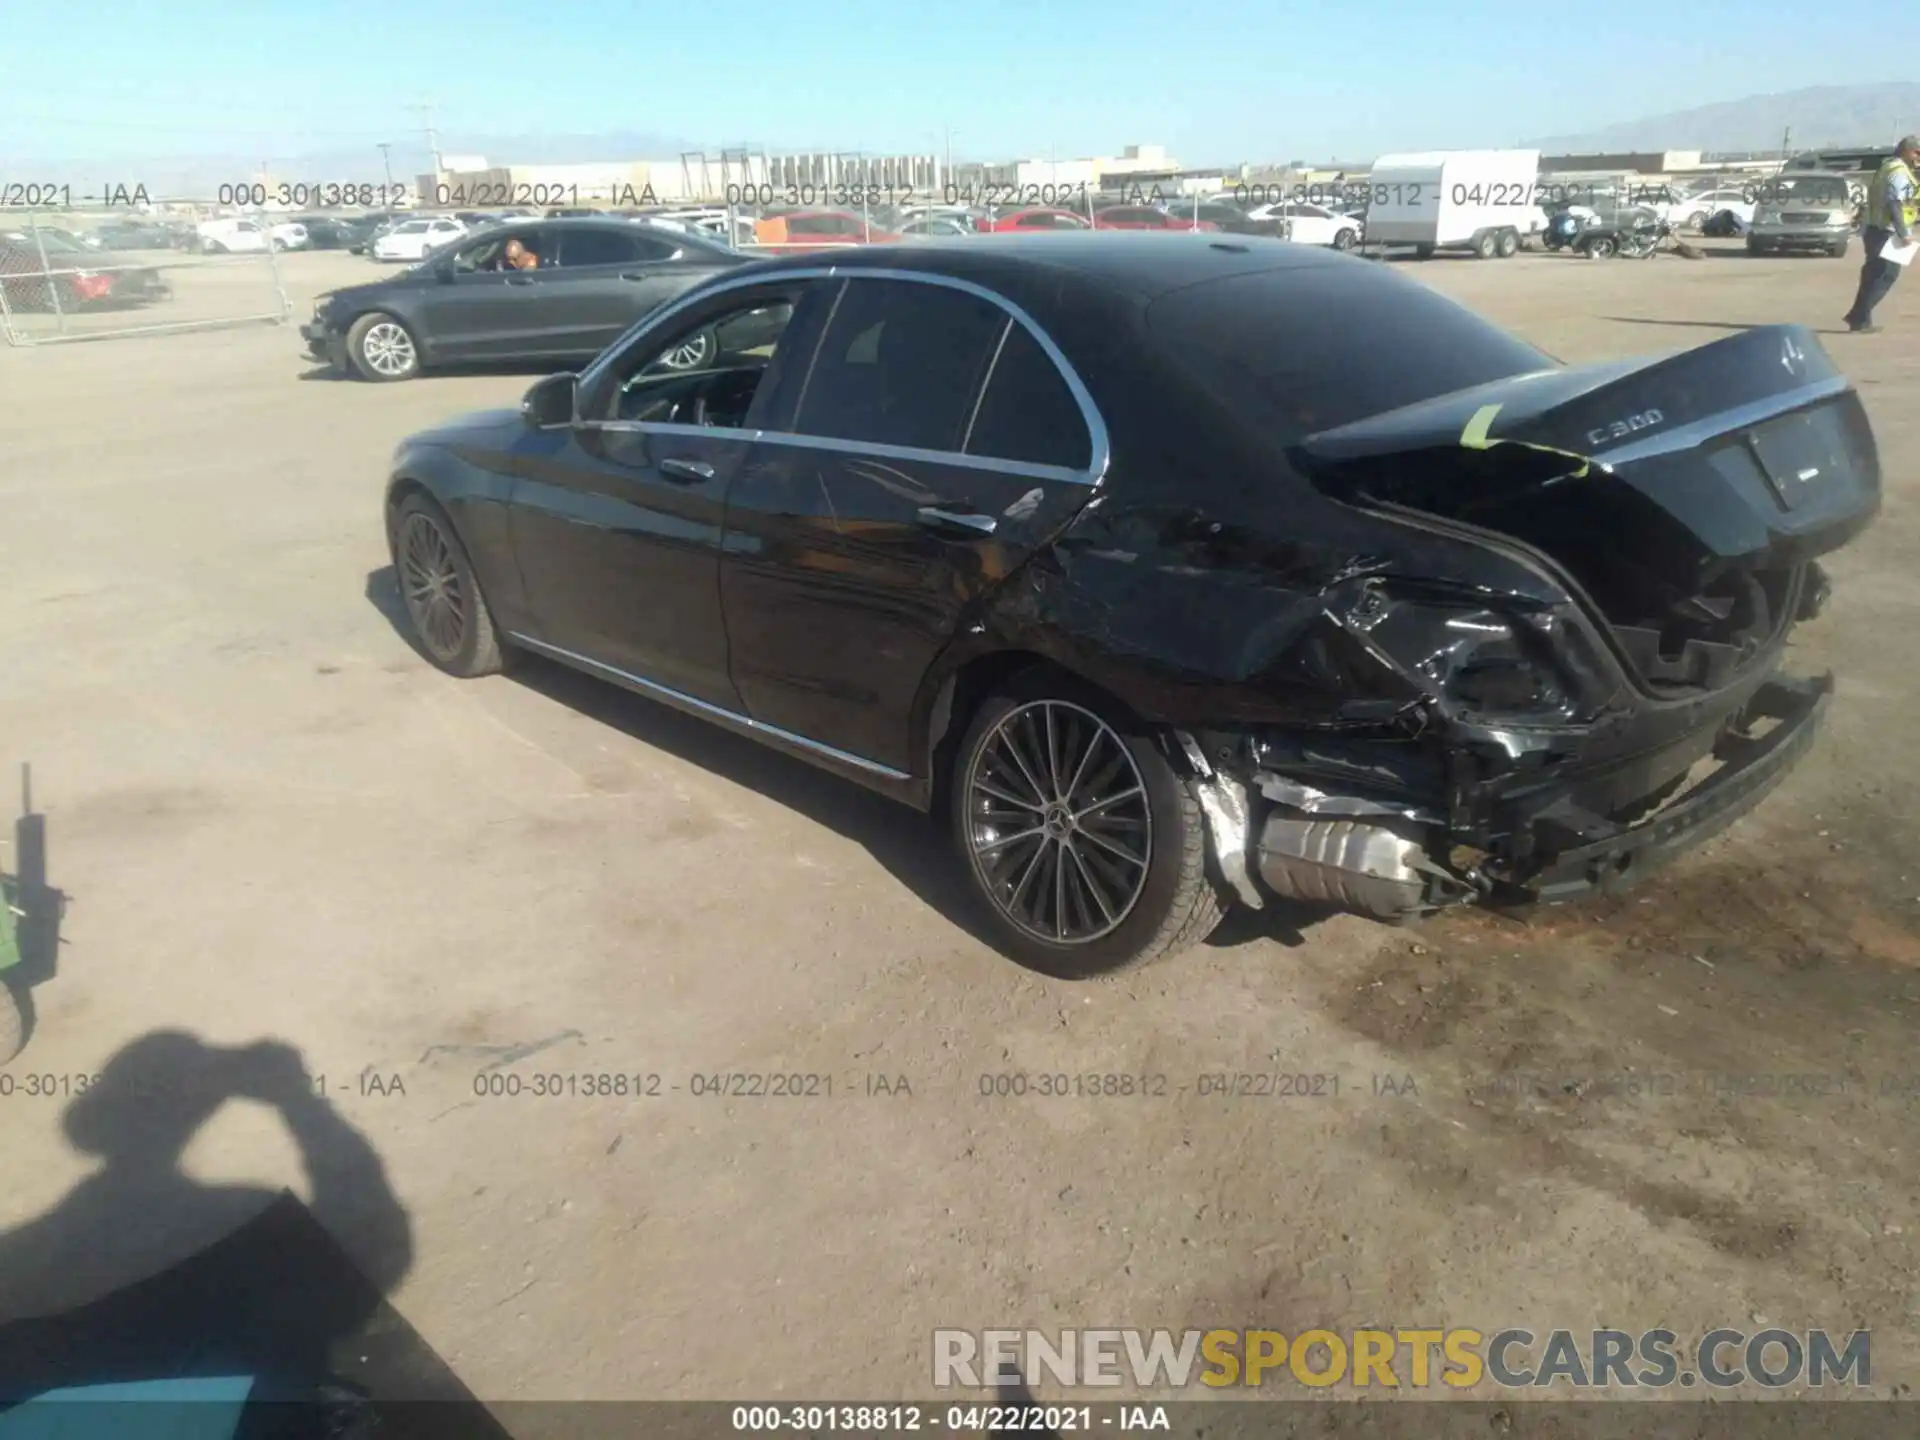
(386, 163)
(425, 111)
(1786, 144)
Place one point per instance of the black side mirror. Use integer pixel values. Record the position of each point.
(551, 402)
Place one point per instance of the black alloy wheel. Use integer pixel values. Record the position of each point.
(1086, 847)
(450, 618)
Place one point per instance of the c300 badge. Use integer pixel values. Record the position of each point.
(1621, 429)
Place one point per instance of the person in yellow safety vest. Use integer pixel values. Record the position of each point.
(1891, 216)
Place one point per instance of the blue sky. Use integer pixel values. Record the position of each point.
(1224, 81)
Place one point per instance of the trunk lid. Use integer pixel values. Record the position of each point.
(1685, 494)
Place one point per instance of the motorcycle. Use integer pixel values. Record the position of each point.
(1634, 234)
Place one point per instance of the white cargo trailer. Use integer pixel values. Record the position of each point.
(1486, 201)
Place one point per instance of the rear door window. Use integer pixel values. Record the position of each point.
(582, 247)
(901, 363)
(1027, 413)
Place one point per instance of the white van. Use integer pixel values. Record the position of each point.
(1485, 201)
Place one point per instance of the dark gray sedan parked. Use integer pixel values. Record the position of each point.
(589, 281)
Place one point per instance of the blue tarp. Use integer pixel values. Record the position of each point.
(197, 1409)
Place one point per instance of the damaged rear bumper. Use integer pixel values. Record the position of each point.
(1276, 837)
(1611, 856)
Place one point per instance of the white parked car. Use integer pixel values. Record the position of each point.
(230, 237)
(1693, 211)
(412, 239)
(245, 236)
(1311, 224)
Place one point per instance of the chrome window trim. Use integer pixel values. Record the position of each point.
(1727, 421)
(1021, 468)
(707, 707)
(1101, 448)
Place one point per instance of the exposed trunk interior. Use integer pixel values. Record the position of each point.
(1687, 496)
(1686, 617)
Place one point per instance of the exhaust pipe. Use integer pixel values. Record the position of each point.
(1348, 852)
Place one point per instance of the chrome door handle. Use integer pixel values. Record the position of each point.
(966, 519)
(687, 469)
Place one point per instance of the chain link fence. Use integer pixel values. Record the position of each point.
(79, 276)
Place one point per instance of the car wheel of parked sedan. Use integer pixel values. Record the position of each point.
(381, 348)
(1086, 848)
(1344, 239)
(695, 354)
(450, 618)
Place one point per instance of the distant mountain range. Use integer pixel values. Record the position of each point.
(1821, 117)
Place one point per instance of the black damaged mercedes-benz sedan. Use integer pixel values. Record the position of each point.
(1174, 571)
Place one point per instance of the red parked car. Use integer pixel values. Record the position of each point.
(1039, 218)
(802, 230)
(1146, 217)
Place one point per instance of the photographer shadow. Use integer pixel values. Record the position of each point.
(228, 1280)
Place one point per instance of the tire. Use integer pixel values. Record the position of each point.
(1757, 246)
(381, 348)
(13, 1022)
(1129, 910)
(1343, 239)
(1423, 252)
(1600, 247)
(212, 247)
(431, 566)
(695, 354)
(1508, 244)
(1487, 246)
(1695, 223)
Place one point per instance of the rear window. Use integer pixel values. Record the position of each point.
(1309, 348)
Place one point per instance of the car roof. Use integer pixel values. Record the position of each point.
(1142, 264)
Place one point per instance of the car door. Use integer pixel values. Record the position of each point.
(936, 442)
(609, 277)
(617, 521)
(472, 309)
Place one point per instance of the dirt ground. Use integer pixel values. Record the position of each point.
(274, 821)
